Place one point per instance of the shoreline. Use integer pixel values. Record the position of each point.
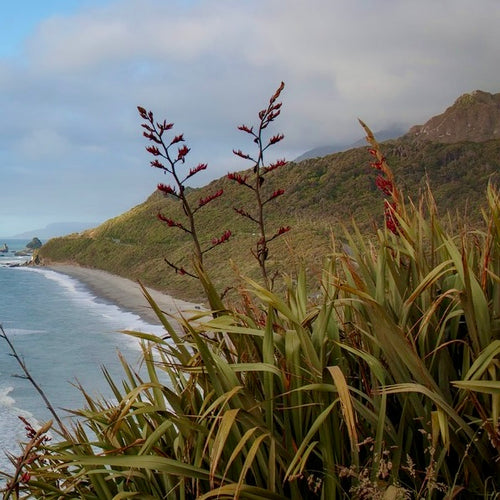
(124, 293)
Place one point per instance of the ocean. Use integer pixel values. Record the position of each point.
(65, 334)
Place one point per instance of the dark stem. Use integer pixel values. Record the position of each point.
(40, 391)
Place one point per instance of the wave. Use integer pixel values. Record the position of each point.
(83, 296)
(5, 399)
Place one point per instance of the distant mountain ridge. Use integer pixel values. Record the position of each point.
(56, 229)
(320, 151)
(473, 117)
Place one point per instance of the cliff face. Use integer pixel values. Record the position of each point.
(473, 117)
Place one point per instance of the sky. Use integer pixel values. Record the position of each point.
(72, 73)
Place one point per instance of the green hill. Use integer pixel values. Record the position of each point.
(321, 195)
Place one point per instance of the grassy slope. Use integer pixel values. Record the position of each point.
(321, 195)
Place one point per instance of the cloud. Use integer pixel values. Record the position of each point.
(69, 100)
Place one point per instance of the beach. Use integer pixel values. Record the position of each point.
(125, 293)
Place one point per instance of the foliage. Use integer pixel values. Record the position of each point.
(382, 384)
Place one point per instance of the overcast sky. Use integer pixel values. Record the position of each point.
(73, 71)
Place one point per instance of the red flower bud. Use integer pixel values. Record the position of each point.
(277, 193)
(391, 222)
(170, 222)
(142, 112)
(177, 138)
(238, 178)
(384, 185)
(157, 164)
(208, 199)
(244, 128)
(276, 138)
(153, 150)
(151, 137)
(201, 166)
(274, 166)
(240, 153)
(182, 153)
(164, 126)
(222, 239)
(166, 189)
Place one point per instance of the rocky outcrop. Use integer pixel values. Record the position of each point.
(34, 244)
(4, 248)
(473, 117)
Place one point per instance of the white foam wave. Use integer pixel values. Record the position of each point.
(119, 318)
(5, 399)
(24, 331)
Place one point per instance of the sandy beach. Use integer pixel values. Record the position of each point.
(125, 293)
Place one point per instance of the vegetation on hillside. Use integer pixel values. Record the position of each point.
(322, 195)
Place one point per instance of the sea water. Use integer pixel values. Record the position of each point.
(64, 334)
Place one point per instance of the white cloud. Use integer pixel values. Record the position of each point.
(210, 65)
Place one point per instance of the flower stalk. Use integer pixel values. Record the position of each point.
(170, 156)
(255, 182)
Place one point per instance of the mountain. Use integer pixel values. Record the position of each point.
(382, 135)
(473, 117)
(56, 229)
(322, 195)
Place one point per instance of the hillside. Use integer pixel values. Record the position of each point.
(321, 195)
(472, 117)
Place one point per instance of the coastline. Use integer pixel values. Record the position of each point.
(125, 293)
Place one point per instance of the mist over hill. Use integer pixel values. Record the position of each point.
(56, 229)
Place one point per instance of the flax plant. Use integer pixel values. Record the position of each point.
(385, 385)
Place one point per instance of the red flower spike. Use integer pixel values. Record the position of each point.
(151, 137)
(391, 221)
(164, 126)
(147, 127)
(157, 164)
(276, 138)
(170, 222)
(208, 199)
(153, 150)
(201, 166)
(222, 239)
(238, 178)
(277, 93)
(142, 112)
(25, 477)
(275, 165)
(182, 153)
(244, 128)
(240, 153)
(277, 193)
(166, 189)
(177, 138)
(384, 185)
